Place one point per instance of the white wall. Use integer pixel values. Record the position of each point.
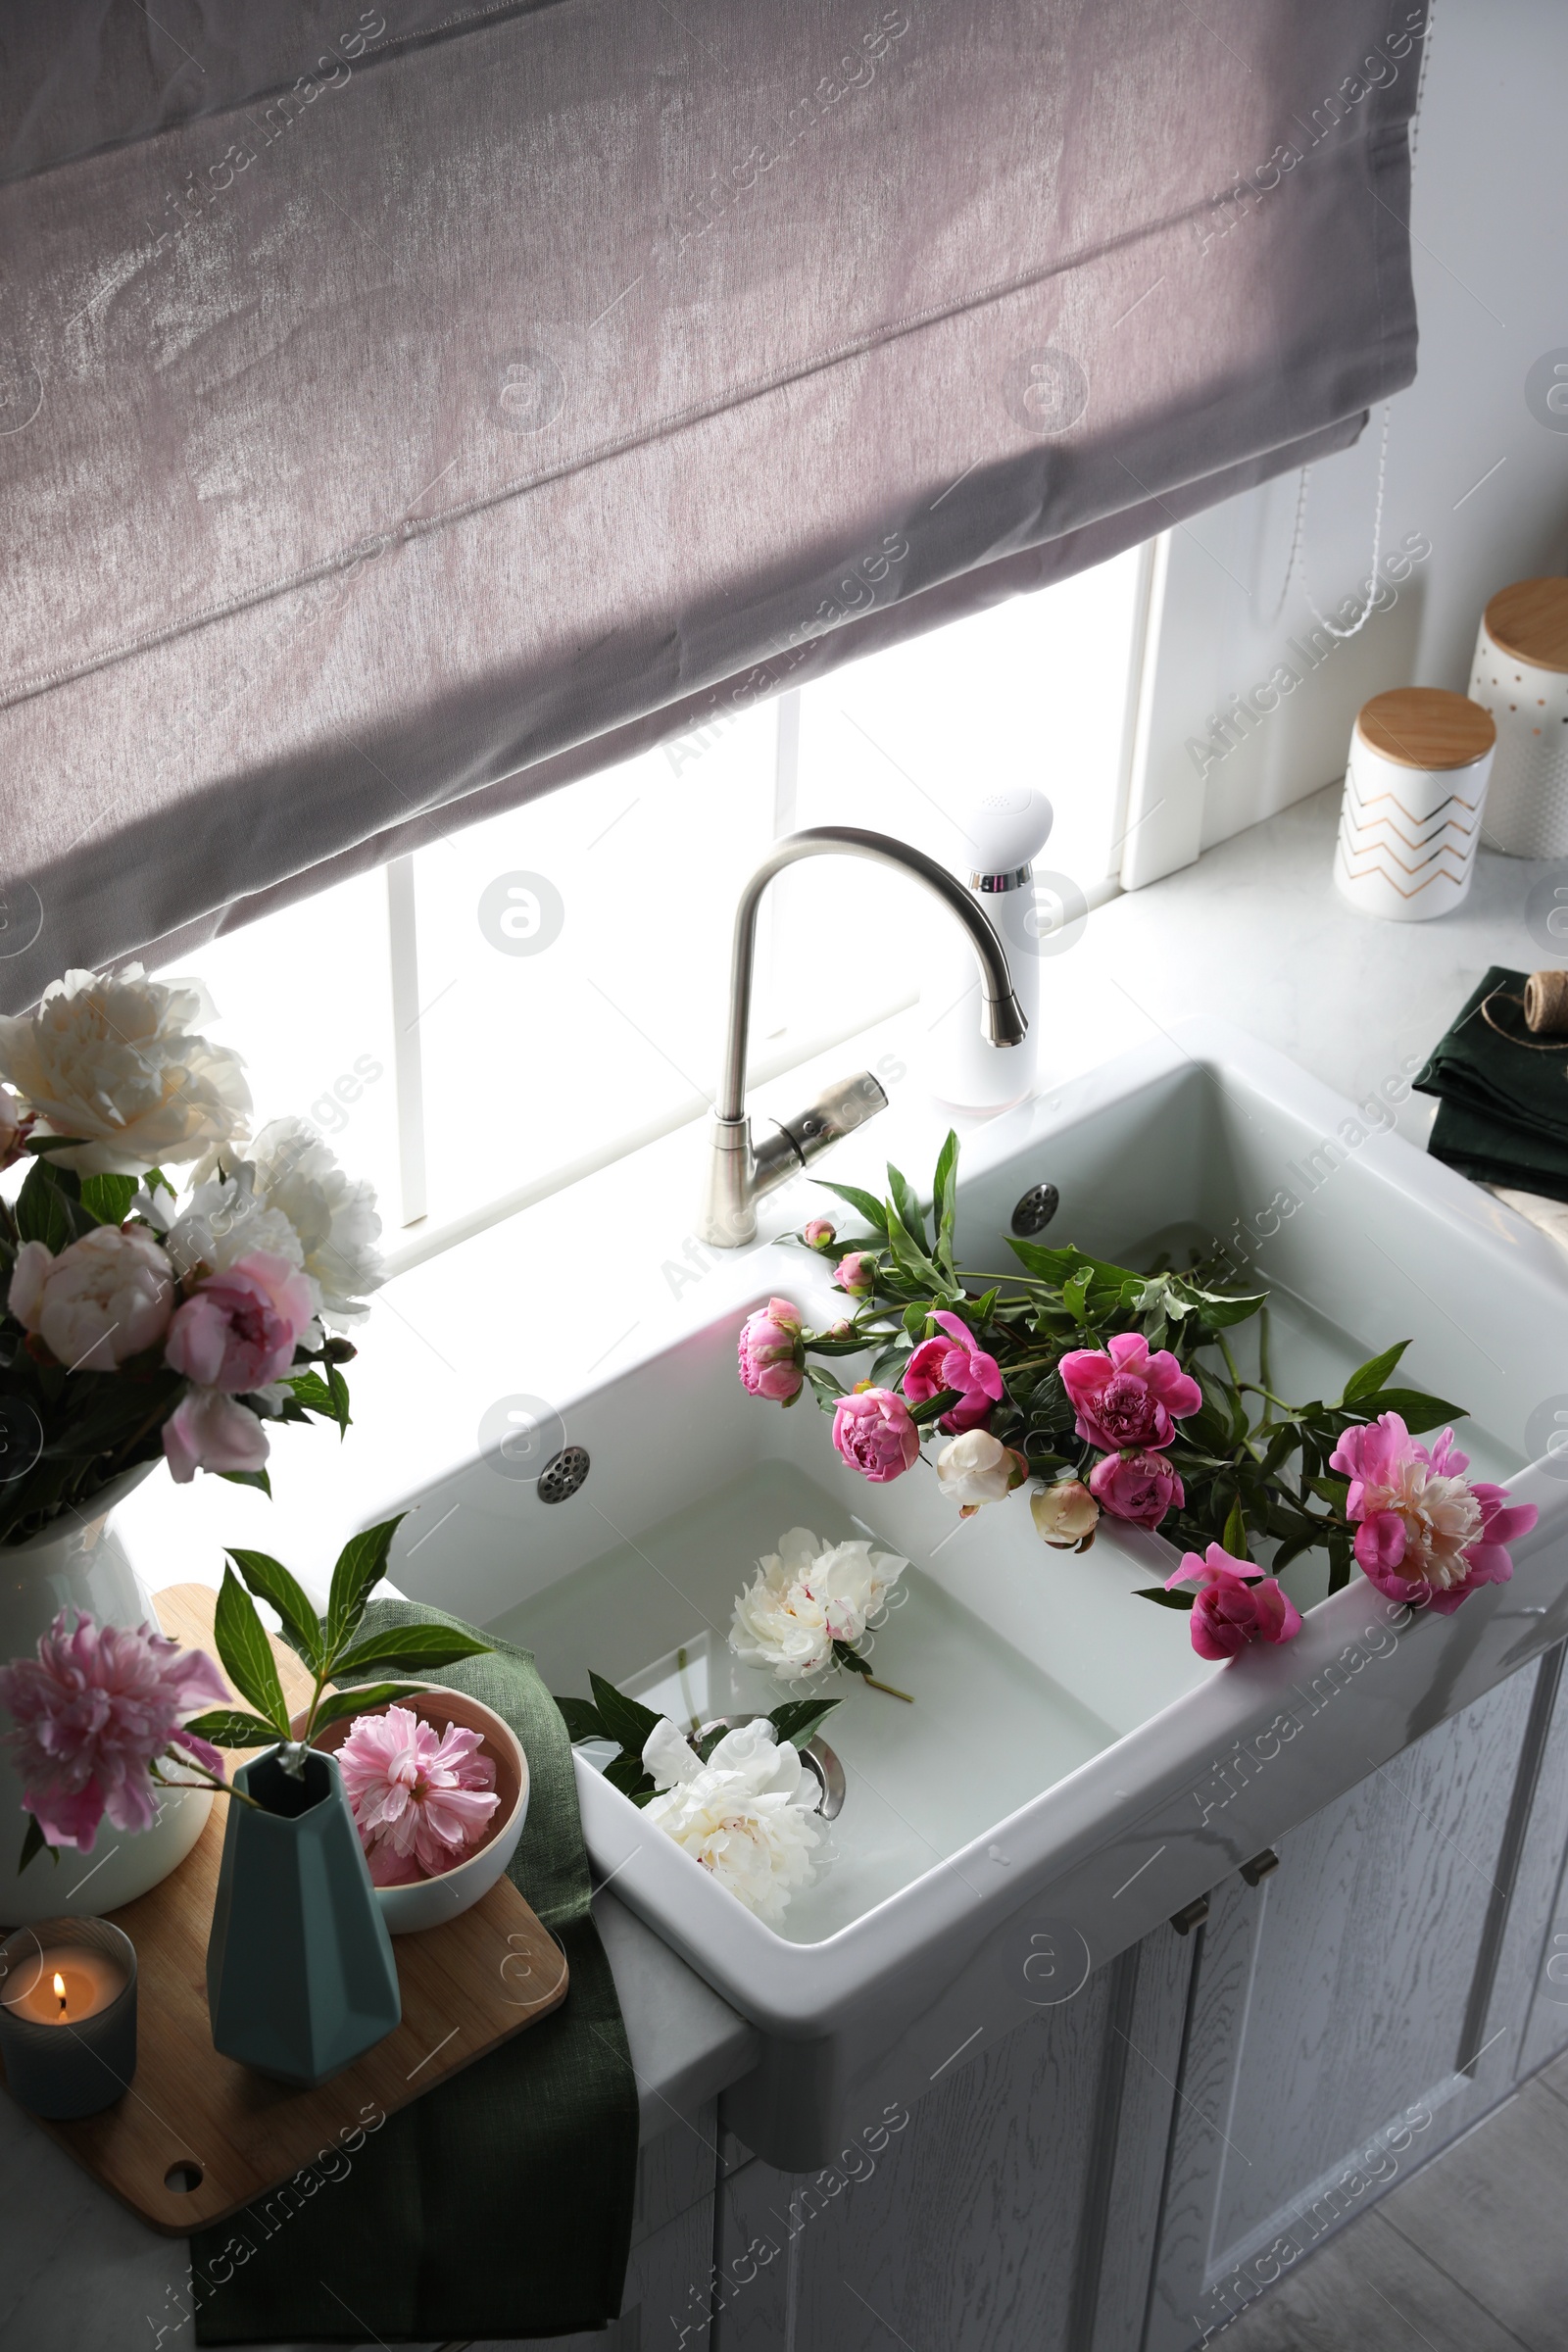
(1490, 231)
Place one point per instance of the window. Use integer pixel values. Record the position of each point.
(554, 980)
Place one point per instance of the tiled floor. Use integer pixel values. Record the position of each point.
(1470, 2255)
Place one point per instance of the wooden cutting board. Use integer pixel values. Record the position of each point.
(198, 2135)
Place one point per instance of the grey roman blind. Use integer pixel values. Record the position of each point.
(407, 409)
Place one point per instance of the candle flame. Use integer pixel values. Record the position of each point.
(60, 1988)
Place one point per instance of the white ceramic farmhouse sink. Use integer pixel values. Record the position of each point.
(1070, 1774)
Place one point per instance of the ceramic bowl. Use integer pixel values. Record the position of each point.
(429, 1902)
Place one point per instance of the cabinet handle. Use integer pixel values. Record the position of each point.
(1256, 1871)
(1190, 1915)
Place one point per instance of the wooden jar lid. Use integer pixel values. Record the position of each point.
(1529, 622)
(1426, 726)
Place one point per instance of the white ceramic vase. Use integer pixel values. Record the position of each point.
(80, 1562)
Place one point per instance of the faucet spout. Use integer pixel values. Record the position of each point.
(738, 1176)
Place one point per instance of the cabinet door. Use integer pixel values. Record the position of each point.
(1324, 2054)
(1009, 2209)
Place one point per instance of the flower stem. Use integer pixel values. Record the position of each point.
(204, 1780)
(872, 1684)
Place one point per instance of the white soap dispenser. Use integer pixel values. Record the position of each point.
(1002, 830)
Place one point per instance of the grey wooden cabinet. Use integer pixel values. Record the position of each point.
(1124, 2172)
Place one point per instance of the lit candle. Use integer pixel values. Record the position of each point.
(68, 2015)
(64, 1984)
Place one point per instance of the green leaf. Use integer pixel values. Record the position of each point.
(1415, 1408)
(625, 1773)
(247, 1654)
(824, 1383)
(798, 1718)
(39, 1144)
(302, 1628)
(1056, 1266)
(311, 1390)
(1166, 1600)
(581, 1719)
(361, 1564)
(42, 1211)
(854, 1345)
(945, 1199)
(358, 1701)
(870, 1208)
(1371, 1376)
(910, 1213)
(107, 1199)
(1076, 1291)
(340, 1398)
(624, 1719)
(249, 1478)
(934, 1407)
(888, 1369)
(417, 1647)
(852, 1658)
(1235, 1536)
(1217, 1308)
(232, 1727)
(35, 1843)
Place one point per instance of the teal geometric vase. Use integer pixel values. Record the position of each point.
(300, 1973)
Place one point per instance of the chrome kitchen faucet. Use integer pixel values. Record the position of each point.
(739, 1172)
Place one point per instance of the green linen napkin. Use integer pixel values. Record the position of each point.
(500, 2204)
(1502, 1115)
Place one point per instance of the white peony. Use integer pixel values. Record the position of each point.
(115, 1059)
(805, 1597)
(978, 1468)
(334, 1214)
(105, 1297)
(223, 1221)
(742, 1815)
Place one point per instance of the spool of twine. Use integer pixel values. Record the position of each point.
(1546, 1003)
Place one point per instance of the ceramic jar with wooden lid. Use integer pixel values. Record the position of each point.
(1521, 676)
(1414, 789)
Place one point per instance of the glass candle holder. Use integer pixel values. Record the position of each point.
(67, 2016)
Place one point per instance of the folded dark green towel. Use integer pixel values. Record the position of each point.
(1502, 1115)
(500, 2204)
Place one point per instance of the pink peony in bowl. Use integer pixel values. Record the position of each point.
(429, 1902)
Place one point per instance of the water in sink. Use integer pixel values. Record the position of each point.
(987, 1732)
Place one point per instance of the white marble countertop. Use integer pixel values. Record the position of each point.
(1253, 932)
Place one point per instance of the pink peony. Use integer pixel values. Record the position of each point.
(1423, 1530)
(105, 1297)
(874, 1432)
(817, 1234)
(208, 1431)
(1140, 1487)
(1126, 1397)
(91, 1713)
(770, 1352)
(954, 1363)
(239, 1329)
(1236, 1606)
(856, 1273)
(421, 1799)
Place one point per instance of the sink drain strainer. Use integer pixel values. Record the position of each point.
(1035, 1209)
(563, 1474)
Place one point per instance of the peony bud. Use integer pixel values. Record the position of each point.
(770, 1352)
(817, 1234)
(856, 1273)
(977, 1468)
(1065, 1515)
